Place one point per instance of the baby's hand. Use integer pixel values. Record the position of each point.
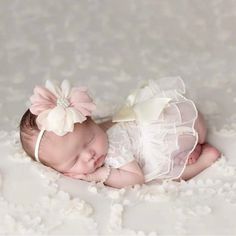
(98, 175)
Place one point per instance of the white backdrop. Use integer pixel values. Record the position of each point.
(110, 46)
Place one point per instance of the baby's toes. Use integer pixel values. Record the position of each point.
(199, 149)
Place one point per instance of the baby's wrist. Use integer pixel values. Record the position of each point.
(106, 173)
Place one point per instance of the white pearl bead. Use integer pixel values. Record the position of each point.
(63, 102)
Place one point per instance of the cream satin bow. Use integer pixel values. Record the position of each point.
(144, 111)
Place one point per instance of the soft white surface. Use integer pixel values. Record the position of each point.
(111, 46)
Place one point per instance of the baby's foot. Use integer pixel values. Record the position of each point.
(209, 155)
(193, 157)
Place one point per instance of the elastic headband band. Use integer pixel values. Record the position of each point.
(36, 151)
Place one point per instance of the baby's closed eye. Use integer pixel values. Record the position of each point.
(74, 160)
(92, 138)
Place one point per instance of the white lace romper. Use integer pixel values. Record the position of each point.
(160, 147)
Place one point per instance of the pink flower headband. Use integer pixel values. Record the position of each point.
(59, 108)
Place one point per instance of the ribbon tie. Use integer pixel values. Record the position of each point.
(143, 111)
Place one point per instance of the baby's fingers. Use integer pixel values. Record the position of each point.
(80, 176)
(87, 177)
(75, 176)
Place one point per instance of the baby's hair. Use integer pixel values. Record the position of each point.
(28, 132)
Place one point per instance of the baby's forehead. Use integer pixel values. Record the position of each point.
(78, 135)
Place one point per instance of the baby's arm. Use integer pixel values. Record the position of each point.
(129, 174)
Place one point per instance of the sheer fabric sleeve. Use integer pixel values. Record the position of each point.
(120, 151)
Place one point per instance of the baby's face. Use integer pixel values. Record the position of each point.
(79, 152)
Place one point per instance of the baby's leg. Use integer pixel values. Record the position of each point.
(195, 154)
(207, 157)
(186, 111)
(201, 129)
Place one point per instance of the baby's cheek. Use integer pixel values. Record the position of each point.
(82, 168)
(103, 142)
(106, 142)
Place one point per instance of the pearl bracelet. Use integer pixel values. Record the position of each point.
(108, 172)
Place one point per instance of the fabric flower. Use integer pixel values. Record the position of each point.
(59, 108)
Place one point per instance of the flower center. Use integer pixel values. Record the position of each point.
(63, 102)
